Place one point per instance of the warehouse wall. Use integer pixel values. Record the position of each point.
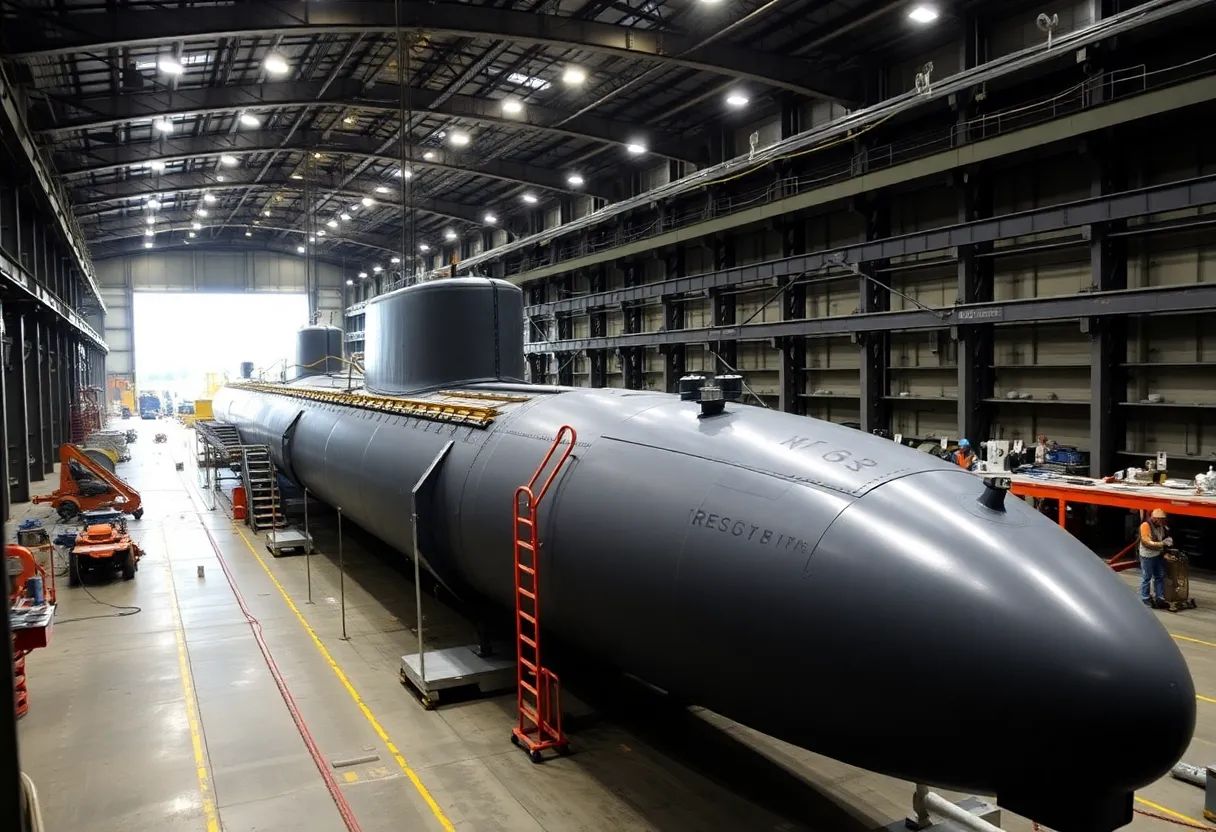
(205, 271)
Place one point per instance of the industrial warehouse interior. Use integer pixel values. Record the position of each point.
(608, 415)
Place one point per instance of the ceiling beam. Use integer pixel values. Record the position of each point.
(92, 200)
(177, 226)
(98, 112)
(76, 32)
(214, 145)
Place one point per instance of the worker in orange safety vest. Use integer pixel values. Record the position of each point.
(964, 457)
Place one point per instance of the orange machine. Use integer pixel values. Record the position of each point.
(103, 547)
(84, 485)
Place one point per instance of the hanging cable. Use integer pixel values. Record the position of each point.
(405, 146)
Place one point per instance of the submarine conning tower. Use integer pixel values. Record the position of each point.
(318, 351)
(445, 333)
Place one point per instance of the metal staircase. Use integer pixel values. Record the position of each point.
(261, 488)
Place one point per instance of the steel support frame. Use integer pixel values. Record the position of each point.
(632, 359)
(724, 309)
(1172, 196)
(974, 341)
(875, 296)
(16, 387)
(35, 400)
(564, 325)
(675, 356)
(538, 332)
(1107, 336)
(597, 359)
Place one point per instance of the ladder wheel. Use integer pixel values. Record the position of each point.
(535, 757)
(138, 513)
(563, 751)
(514, 740)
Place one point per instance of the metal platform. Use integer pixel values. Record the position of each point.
(457, 667)
(286, 540)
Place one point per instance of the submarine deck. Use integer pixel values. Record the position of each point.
(172, 719)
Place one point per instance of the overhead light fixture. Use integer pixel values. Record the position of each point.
(148, 245)
(248, 233)
(348, 120)
(170, 65)
(429, 155)
(574, 179)
(368, 202)
(312, 239)
(923, 14)
(317, 155)
(423, 247)
(198, 226)
(363, 275)
(296, 176)
(344, 217)
(157, 165)
(149, 233)
(636, 148)
(154, 204)
(202, 212)
(227, 160)
(460, 139)
(257, 222)
(490, 219)
(209, 198)
(395, 260)
(449, 234)
(377, 268)
(332, 223)
(321, 233)
(299, 249)
(219, 177)
(529, 198)
(736, 100)
(163, 125)
(380, 189)
(275, 64)
(512, 106)
(151, 220)
(573, 76)
(350, 282)
(403, 174)
(266, 213)
(250, 120)
(192, 235)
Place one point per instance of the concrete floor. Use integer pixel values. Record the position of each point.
(170, 718)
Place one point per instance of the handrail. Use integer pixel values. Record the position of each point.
(557, 441)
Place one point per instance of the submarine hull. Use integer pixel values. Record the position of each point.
(819, 584)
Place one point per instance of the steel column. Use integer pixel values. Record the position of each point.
(633, 359)
(17, 423)
(565, 330)
(974, 341)
(34, 402)
(791, 372)
(9, 220)
(1108, 336)
(674, 355)
(538, 362)
(723, 308)
(875, 296)
(46, 395)
(597, 360)
(5, 455)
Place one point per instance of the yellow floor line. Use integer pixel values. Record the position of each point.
(1194, 640)
(1205, 699)
(192, 713)
(1163, 810)
(354, 694)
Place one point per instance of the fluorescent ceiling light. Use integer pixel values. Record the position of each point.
(363, 275)
(332, 223)
(209, 199)
(321, 233)
(344, 217)
(368, 202)
(736, 100)
(449, 234)
(153, 204)
(512, 107)
(250, 120)
(574, 179)
(423, 247)
(312, 239)
(266, 213)
(317, 155)
(490, 219)
(219, 177)
(429, 155)
(923, 14)
(163, 125)
(157, 165)
(170, 65)
(149, 233)
(192, 234)
(350, 282)
(354, 208)
(202, 212)
(529, 198)
(377, 268)
(299, 249)
(527, 81)
(147, 245)
(227, 160)
(348, 120)
(151, 220)
(395, 260)
(380, 189)
(460, 139)
(257, 222)
(198, 226)
(635, 148)
(275, 64)
(248, 233)
(296, 176)
(573, 76)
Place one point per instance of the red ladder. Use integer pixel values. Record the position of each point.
(538, 690)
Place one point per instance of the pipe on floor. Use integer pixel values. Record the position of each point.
(925, 802)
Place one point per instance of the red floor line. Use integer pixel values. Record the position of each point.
(331, 783)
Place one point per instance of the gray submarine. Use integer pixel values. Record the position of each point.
(827, 587)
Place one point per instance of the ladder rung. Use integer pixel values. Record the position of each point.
(528, 688)
(527, 569)
(527, 594)
(526, 640)
(527, 617)
(530, 714)
(526, 520)
(523, 544)
(528, 664)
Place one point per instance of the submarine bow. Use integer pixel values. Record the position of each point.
(819, 584)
